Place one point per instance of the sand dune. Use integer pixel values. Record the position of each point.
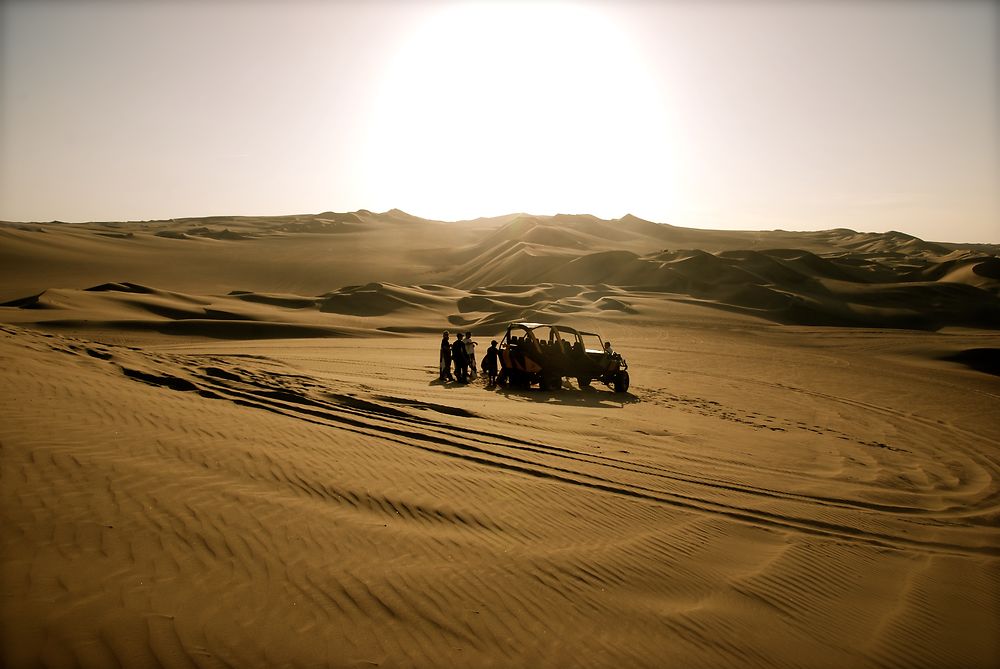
(835, 277)
(206, 503)
(307, 255)
(223, 444)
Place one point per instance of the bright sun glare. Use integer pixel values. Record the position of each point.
(496, 108)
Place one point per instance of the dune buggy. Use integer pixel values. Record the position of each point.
(534, 353)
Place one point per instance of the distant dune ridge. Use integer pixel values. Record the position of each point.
(326, 263)
(223, 443)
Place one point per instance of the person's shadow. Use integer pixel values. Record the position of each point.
(450, 383)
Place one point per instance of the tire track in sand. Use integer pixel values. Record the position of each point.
(300, 397)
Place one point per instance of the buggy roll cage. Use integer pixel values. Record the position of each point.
(556, 334)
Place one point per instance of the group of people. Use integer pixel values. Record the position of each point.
(462, 354)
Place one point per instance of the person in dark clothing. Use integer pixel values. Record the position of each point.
(444, 362)
(490, 363)
(461, 360)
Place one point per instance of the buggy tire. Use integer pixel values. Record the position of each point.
(620, 383)
(583, 382)
(550, 382)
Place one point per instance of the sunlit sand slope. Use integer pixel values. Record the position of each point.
(765, 496)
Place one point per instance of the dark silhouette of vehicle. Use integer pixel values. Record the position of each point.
(534, 353)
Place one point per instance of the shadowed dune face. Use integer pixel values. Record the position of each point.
(982, 359)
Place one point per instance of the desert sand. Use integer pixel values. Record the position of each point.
(223, 444)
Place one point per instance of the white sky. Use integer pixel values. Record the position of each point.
(753, 115)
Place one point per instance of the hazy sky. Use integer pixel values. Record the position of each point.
(754, 115)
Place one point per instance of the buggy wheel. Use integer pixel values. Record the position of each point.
(583, 382)
(550, 382)
(620, 382)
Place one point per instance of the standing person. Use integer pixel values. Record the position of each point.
(444, 362)
(470, 354)
(491, 361)
(461, 364)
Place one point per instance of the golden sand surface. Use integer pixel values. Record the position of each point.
(196, 477)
